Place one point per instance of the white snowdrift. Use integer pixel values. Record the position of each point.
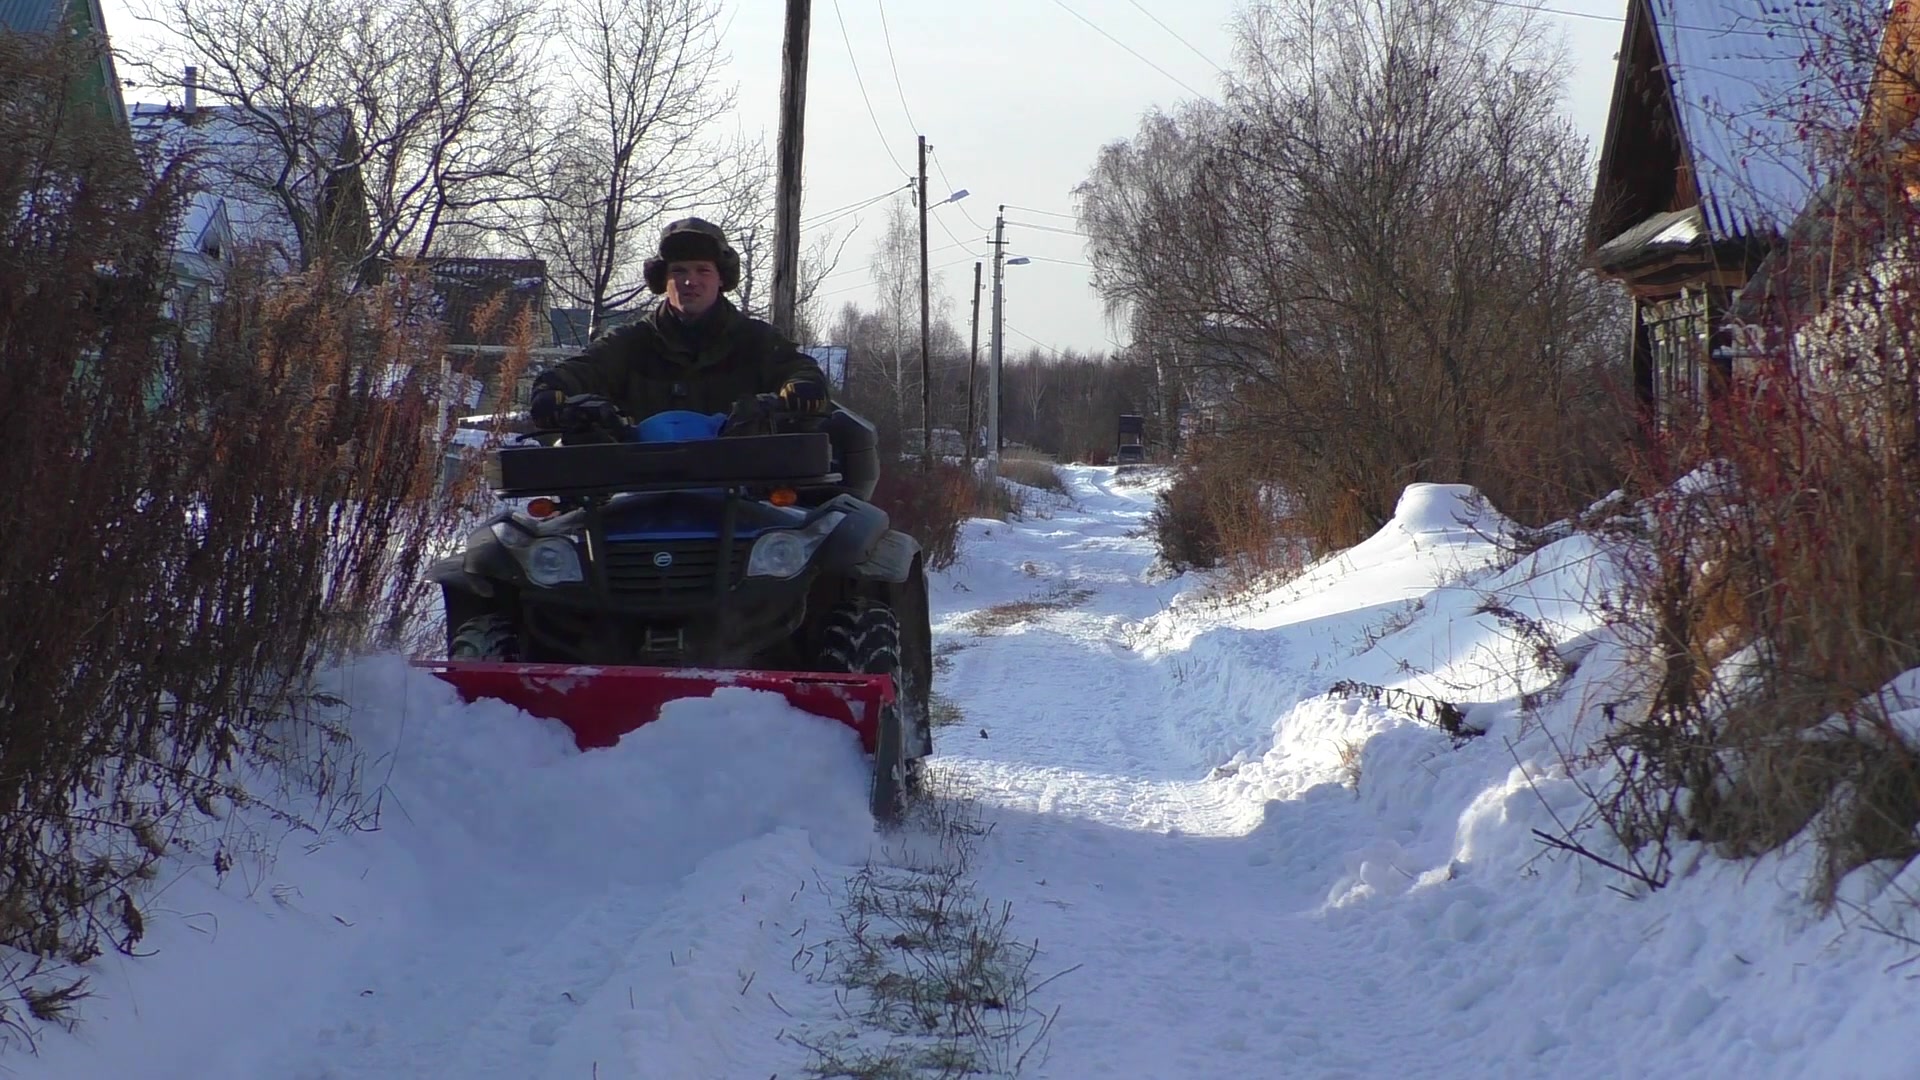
(1180, 818)
(524, 909)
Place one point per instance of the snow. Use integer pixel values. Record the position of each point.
(1757, 87)
(1168, 782)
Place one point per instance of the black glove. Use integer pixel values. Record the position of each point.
(583, 411)
(806, 397)
(545, 405)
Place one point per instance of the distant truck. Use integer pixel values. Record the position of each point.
(1132, 449)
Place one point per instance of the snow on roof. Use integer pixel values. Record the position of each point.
(1677, 229)
(1754, 83)
(236, 160)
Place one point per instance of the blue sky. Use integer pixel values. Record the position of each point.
(1016, 97)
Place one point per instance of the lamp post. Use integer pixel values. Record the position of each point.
(1000, 262)
(926, 323)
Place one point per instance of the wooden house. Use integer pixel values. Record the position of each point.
(1713, 146)
(1870, 200)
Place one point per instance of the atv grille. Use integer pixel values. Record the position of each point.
(634, 568)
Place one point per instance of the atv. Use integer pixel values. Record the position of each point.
(688, 551)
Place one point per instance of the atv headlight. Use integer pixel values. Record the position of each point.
(785, 552)
(553, 561)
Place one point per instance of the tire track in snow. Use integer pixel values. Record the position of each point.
(1181, 900)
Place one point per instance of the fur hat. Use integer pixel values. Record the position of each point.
(689, 240)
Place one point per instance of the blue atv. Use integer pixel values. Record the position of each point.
(688, 542)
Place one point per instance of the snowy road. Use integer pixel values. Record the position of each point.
(1173, 794)
(1234, 871)
(1188, 909)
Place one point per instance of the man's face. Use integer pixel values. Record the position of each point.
(692, 286)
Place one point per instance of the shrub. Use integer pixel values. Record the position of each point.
(197, 508)
(1217, 514)
(930, 501)
(1183, 526)
(1779, 596)
(927, 501)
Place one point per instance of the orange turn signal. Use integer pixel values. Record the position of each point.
(542, 508)
(784, 497)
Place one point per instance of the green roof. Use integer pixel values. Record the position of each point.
(31, 16)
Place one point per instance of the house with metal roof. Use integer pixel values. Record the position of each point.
(1870, 200)
(292, 214)
(1721, 131)
(81, 17)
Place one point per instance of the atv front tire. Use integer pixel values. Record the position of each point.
(863, 638)
(490, 637)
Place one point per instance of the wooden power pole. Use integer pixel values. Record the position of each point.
(926, 335)
(973, 360)
(786, 197)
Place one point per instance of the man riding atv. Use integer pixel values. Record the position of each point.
(696, 351)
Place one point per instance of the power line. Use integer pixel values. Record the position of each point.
(862, 83)
(887, 36)
(1177, 37)
(1515, 4)
(822, 217)
(943, 226)
(854, 288)
(1062, 262)
(1047, 228)
(869, 266)
(1096, 27)
(1030, 337)
(935, 155)
(1036, 210)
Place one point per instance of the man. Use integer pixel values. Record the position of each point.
(695, 351)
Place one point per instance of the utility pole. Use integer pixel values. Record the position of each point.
(926, 334)
(973, 361)
(993, 376)
(786, 196)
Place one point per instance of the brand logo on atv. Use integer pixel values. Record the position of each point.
(663, 559)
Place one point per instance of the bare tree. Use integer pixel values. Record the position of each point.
(639, 102)
(367, 126)
(1368, 258)
(743, 204)
(893, 338)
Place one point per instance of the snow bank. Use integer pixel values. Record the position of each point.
(1432, 866)
(519, 900)
(1261, 860)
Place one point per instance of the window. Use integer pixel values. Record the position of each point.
(1679, 332)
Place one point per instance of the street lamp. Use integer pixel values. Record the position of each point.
(999, 348)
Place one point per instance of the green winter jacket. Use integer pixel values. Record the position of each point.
(659, 363)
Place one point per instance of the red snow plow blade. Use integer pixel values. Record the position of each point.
(600, 704)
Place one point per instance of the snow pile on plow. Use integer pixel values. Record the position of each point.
(513, 880)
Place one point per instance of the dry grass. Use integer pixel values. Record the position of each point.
(1060, 596)
(1033, 470)
(931, 979)
(946, 711)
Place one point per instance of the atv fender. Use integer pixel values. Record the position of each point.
(852, 542)
(488, 560)
(892, 560)
(451, 573)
